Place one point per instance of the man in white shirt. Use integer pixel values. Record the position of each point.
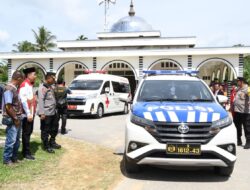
(29, 105)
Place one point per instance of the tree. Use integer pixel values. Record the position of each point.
(247, 69)
(24, 46)
(3, 71)
(82, 37)
(44, 39)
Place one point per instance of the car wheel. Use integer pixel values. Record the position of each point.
(224, 171)
(100, 111)
(129, 166)
(125, 111)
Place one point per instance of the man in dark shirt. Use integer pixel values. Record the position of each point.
(12, 112)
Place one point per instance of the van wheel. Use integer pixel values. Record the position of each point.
(129, 166)
(100, 111)
(125, 111)
(224, 171)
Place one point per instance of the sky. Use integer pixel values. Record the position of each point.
(215, 23)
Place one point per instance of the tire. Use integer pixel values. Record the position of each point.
(129, 166)
(125, 110)
(224, 171)
(100, 111)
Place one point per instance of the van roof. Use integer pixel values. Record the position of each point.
(98, 76)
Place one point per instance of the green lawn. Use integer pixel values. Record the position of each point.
(26, 170)
(2, 132)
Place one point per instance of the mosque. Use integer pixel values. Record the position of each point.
(130, 47)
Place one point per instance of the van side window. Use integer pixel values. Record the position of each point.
(120, 87)
(106, 84)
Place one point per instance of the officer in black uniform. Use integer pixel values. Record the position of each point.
(47, 113)
(61, 100)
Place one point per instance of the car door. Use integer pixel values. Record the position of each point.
(107, 97)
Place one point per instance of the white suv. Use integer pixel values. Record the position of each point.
(176, 121)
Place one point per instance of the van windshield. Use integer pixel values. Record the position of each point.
(86, 85)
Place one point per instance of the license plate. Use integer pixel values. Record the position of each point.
(184, 149)
(72, 107)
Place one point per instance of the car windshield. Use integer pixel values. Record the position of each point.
(86, 84)
(162, 90)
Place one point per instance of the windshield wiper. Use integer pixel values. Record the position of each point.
(201, 100)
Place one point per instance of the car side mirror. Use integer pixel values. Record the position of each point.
(107, 89)
(221, 99)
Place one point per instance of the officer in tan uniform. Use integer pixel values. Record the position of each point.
(47, 113)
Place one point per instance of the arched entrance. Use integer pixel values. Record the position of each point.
(218, 68)
(70, 70)
(165, 64)
(123, 69)
(40, 71)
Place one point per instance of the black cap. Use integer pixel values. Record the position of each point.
(29, 70)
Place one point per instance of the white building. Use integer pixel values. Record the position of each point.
(130, 47)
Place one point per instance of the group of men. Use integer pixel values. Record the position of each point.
(19, 106)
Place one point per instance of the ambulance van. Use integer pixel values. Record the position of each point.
(98, 94)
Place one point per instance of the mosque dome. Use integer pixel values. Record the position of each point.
(131, 23)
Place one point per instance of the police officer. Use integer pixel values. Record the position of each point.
(242, 112)
(47, 113)
(61, 98)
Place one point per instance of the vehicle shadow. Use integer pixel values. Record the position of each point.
(90, 117)
(175, 174)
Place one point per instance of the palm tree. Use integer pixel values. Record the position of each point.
(247, 69)
(44, 39)
(82, 37)
(24, 46)
(3, 71)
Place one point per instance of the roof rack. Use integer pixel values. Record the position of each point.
(170, 72)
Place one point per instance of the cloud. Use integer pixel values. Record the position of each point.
(4, 36)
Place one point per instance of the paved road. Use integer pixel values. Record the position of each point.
(109, 132)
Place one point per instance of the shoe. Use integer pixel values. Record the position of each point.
(64, 132)
(15, 160)
(50, 150)
(55, 146)
(247, 145)
(8, 163)
(29, 157)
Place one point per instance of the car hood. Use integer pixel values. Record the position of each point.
(179, 112)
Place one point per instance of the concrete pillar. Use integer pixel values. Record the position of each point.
(9, 65)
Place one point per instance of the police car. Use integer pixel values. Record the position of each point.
(175, 120)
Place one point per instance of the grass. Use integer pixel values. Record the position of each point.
(79, 165)
(26, 170)
(2, 132)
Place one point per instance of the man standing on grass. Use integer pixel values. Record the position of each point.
(29, 105)
(12, 115)
(47, 113)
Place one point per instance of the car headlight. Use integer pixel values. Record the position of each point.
(91, 96)
(145, 123)
(220, 124)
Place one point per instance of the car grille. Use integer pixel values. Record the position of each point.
(75, 102)
(168, 133)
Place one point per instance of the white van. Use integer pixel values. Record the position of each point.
(98, 94)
